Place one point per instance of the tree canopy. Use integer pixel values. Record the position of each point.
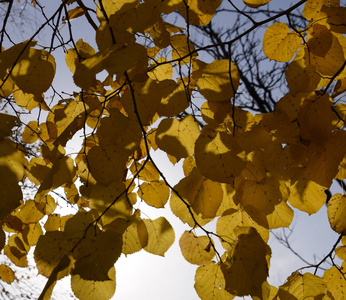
(147, 84)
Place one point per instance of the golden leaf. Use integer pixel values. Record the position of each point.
(154, 193)
(196, 249)
(303, 287)
(62, 171)
(219, 80)
(160, 236)
(256, 3)
(210, 283)
(6, 274)
(247, 217)
(279, 44)
(177, 137)
(246, 268)
(219, 156)
(96, 254)
(307, 196)
(335, 282)
(182, 48)
(34, 73)
(94, 290)
(135, 237)
(103, 196)
(29, 213)
(337, 213)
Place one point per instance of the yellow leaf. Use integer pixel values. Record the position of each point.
(319, 40)
(174, 99)
(147, 173)
(313, 8)
(335, 282)
(301, 78)
(49, 251)
(279, 44)
(247, 217)
(332, 59)
(161, 70)
(31, 233)
(6, 274)
(154, 193)
(29, 213)
(219, 156)
(324, 159)
(216, 83)
(281, 216)
(96, 254)
(111, 197)
(62, 171)
(114, 60)
(262, 194)
(204, 195)
(181, 47)
(305, 286)
(31, 132)
(341, 252)
(184, 211)
(337, 213)
(94, 290)
(246, 268)
(161, 236)
(107, 165)
(210, 283)
(135, 237)
(196, 249)
(256, 3)
(146, 97)
(11, 171)
(84, 50)
(74, 13)
(116, 7)
(65, 115)
(16, 250)
(307, 196)
(34, 73)
(200, 12)
(177, 137)
(52, 223)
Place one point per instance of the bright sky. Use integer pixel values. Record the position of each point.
(148, 277)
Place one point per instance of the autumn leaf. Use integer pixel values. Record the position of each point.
(279, 44)
(196, 250)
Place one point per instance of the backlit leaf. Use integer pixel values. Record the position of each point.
(210, 283)
(6, 274)
(246, 268)
(218, 156)
(154, 193)
(177, 137)
(92, 289)
(196, 249)
(337, 213)
(219, 81)
(304, 286)
(335, 282)
(62, 171)
(307, 196)
(161, 236)
(279, 44)
(256, 3)
(41, 67)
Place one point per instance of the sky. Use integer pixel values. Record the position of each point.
(145, 276)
